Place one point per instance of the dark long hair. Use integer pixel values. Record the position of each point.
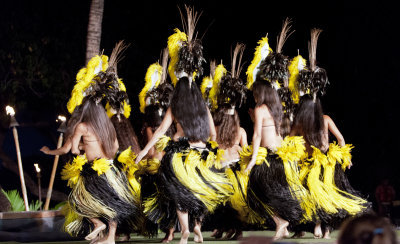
(228, 125)
(190, 111)
(95, 116)
(153, 116)
(125, 133)
(309, 121)
(265, 94)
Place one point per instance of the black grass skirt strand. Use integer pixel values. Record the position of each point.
(269, 193)
(101, 191)
(181, 184)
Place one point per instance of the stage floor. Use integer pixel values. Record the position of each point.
(260, 237)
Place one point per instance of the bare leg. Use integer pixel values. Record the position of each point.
(217, 234)
(299, 234)
(184, 222)
(229, 234)
(124, 237)
(110, 238)
(198, 237)
(169, 236)
(327, 234)
(238, 235)
(281, 228)
(98, 226)
(317, 230)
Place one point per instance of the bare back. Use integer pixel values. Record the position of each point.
(232, 153)
(269, 138)
(90, 143)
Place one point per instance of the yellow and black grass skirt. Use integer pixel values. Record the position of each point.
(99, 190)
(324, 175)
(186, 182)
(274, 186)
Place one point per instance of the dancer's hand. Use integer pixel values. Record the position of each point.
(140, 156)
(250, 165)
(45, 150)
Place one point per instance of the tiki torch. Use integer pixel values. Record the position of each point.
(38, 179)
(13, 125)
(61, 129)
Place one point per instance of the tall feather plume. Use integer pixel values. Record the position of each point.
(284, 35)
(238, 51)
(164, 64)
(190, 53)
(116, 55)
(231, 90)
(312, 47)
(189, 25)
(314, 80)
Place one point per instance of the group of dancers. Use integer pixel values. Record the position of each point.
(196, 165)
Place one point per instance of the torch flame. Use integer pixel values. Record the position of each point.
(37, 167)
(10, 110)
(62, 118)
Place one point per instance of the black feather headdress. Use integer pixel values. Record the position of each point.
(274, 68)
(313, 80)
(232, 90)
(185, 49)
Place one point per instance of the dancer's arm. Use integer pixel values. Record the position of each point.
(80, 130)
(213, 132)
(149, 134)
(161, 130)
(334, 130)
(59, 151)
(243, 137)
(256, 137)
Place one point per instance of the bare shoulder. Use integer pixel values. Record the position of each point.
(327, 118)
(242, 131)
(81, 128)
(263, 109)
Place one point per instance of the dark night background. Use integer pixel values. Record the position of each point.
(42, 47)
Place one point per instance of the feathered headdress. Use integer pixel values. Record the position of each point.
(185, 49)
(262, 51)
(274, 68)
(207, 84)
(219, 73)
(100, 81)
(313, 80)
(155, 75)
(297, 64)
(232, 91)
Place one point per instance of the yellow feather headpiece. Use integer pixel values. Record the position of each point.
(262, 51)
(175, 41)
(89, 75)
(208, 83)
(296, 65)
(84, 79)
(152, 80)
(220, 72)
